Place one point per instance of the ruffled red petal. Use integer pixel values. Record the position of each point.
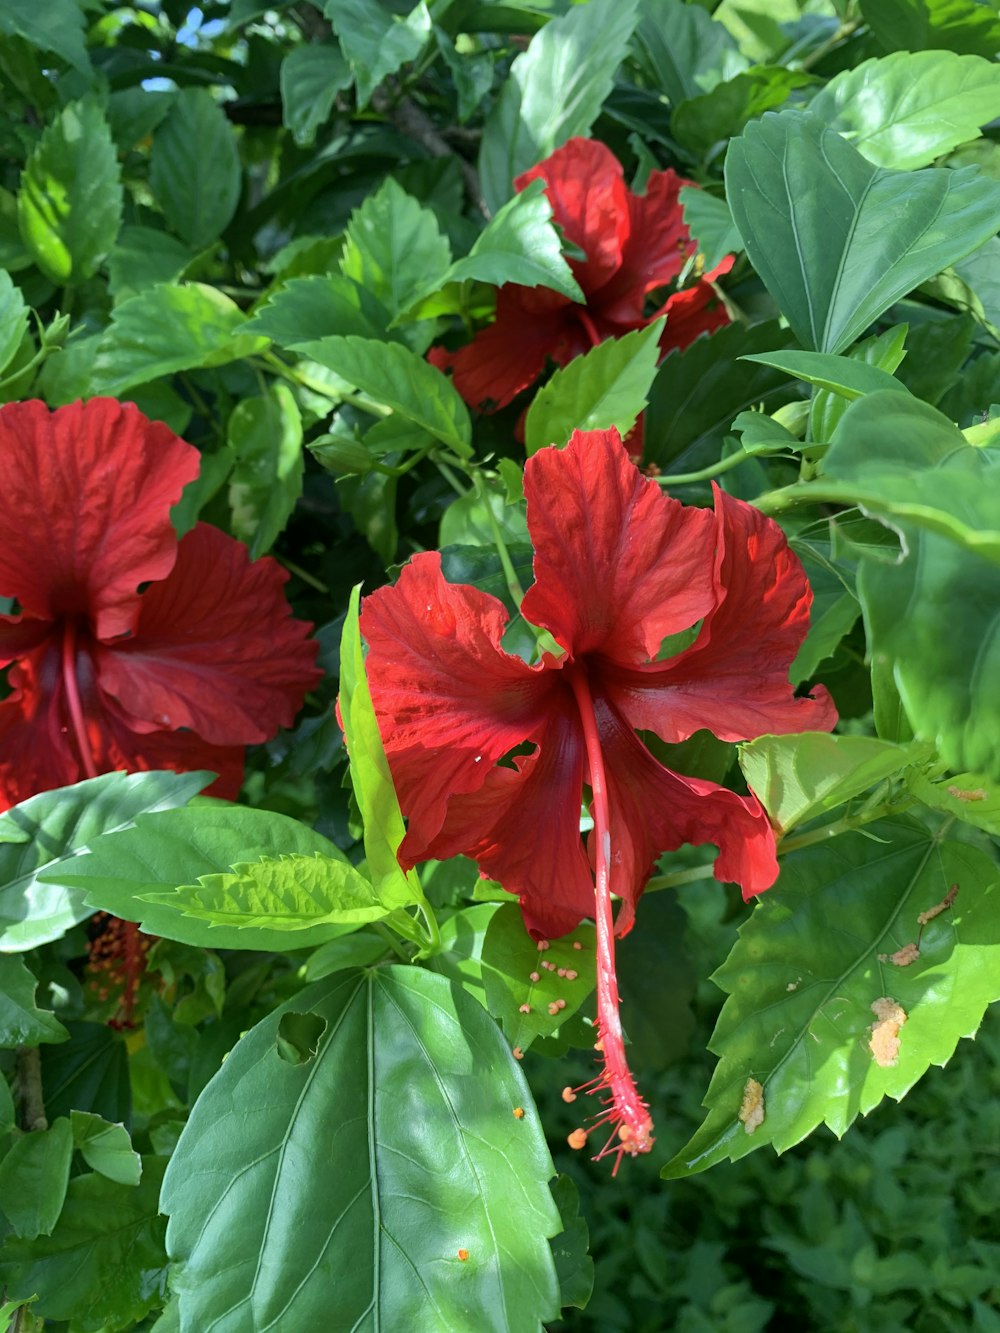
(618, 564)
(85, 497)
(215, 650)
(694, 311)
(20, 635)
(733, 680)
(657, 249)
(449, 700)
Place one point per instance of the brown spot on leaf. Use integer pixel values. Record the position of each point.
(960, 794)
(940, 907)
(903, 957)
(883, 1039)
(751, 1111)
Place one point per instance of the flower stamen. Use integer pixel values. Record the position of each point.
(73, 700)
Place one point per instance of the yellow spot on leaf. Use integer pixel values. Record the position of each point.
(751, 1111)
(883, 1039)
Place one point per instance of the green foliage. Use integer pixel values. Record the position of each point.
(311, 78)
(195, 169)
(265, 435)
(105, 1147)
(919, 25)
(22, 1023)
(33, 1179)
(377, 39)
(685, 51)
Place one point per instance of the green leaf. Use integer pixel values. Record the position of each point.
(306, 309)
(56, 26)
(411, 1084)
(905, 110)
(311, 77)
(466, 521)
(711, 224)
(299, 1036)
(701, 122)
(33, 1179)
(22, 1023)
(70, 204)
(360, 949)
(555, 90)
(376, 40)
(964, 26)
(168, 328)
(607, 386)
(511, 957)
(49, 831)
(90, 1072)
(684, 50)
(13, 319)
(144, 257)
(107, 1148)
(883, 351)
(370, 777)
(574, 1266)
(148, 873)
(841, 375)
(392, 374)
(266, 480)
(903, 461)
(813, 959)
(945, 673)
(970, 797)
(836, 240)
(194, 168)
(104, 1264)
(799, 777)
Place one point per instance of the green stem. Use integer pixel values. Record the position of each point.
(513, 582)
(706, 473)
(677, 877)
(391, 940)
(302, 574)
(847, 824)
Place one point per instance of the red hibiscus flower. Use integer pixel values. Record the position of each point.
(633, 245)
(183, 675)
(618, 568)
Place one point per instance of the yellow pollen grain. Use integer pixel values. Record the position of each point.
(463, 1255)
(518, 1112)
(577, 944)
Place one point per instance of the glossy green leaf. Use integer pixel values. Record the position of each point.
(410, 1077)
(703, 120)
(555, 90)
(837, 240)
(376, 39)
(903, 461)
(70, 203)
(104, 1265)
(970, 797)
(22, 1023)
(306, 309)
(311, 77)
(106, 1147)
(33, 1179)
(711, 224)
(841, 375)
(964, 26)
(266, 481)
(48, 831)
(607, 386)
(370, 777)
(510, 958)
(194, 169)
(169, 328)
(13, 319)
(149, 872)
(813, 959)
(799, 777)
(56, 26)
(298, 1037)
(394, 375)
(907, 109)
(884, 352)
(466, 521)
(684, 50)
(359, 949)
(394, 248)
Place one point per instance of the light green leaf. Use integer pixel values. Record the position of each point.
(971, 797)
(555, 90)
(836, 240)
(370, 777)
(56, 26)
(49, 831)
(194, 169)
(305, 309)
(411, 1092)
(33, 1179)
(377, 40)
(813, 960)
(397, 377)
(466, 521)
(905, 110)
(311, 77)
(394, 249)
(684, 50)
(13, 319)
(107, 1148)
(148, 873)
(266, 480)
(842, 375)
(167, 328)
(799, 777)
(964, 26)
(607, 386)
(70, 204)
(22, 1023)
(711, 225)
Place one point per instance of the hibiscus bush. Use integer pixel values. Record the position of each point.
(500, 566)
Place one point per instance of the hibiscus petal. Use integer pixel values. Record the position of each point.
(85, 496)
(733, 680)
(36, 749)
(618, 564)
(20, 635)
(584, 183)
(215, 650)
(657, 249)
(694, 311)
(654, 810)
(179, 751)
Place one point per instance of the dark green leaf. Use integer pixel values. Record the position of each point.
(813, 960)
(266, 480)
(13, 319)
(106, 1147)
(684, 50)
(377, 40)
(657, 977)
(882, 351)
(90, 1072)
(70, 204)
(841, 375)
(702, 121)
(904, 110)
(144, 257)
(33, 1179)
(410, 1076)
(918, 25)
(195, 168)
(837, 240)
(48, 831)
(299, 1036)
(305, 309)
(311, 78)
(607, 386)
(56, 26)
(555, 90)
(356, 950)
(394, 249)
(574, 1266)
(711, 224)
(22, 1023)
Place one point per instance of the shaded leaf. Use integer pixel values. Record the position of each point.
(56, 26)
(711, 224)
(22, 1023)
(311, 77)
(105, 1147)
(376, 40)
(33, 1179)
(393, 248)
(702, 121)
(917, 25)
(574, 1266)
(306, 309)
(90, 1072)
(684, 50)
(266, 480)
(194, 168)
